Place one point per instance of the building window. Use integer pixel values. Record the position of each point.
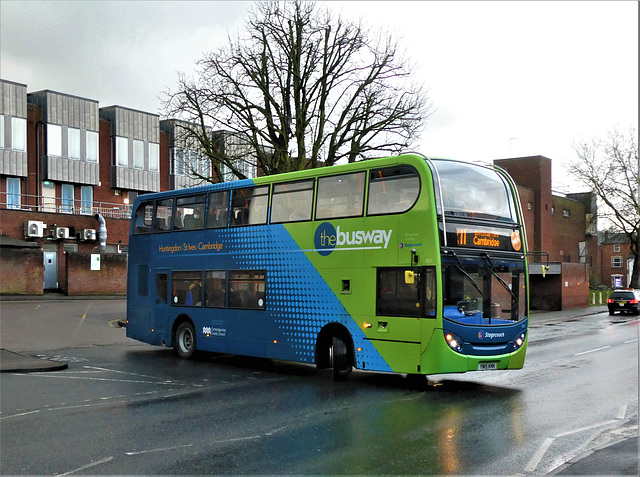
(54, 140)
(553, 211)
(73, 136)
(70, 247)
(1, 131)
(616, 248)
(13, 193)
(178, 161)
(86, 200)
(616, 262)
(566, 213)
(529, 205)
(19, 134)
(138, 154)
(122, 151)
(616, 281)
(92, 146)
(154, 157)
(48, 197)
(67, 198)
(582, 252)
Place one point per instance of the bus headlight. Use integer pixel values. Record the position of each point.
(454, 341)
(519, 341)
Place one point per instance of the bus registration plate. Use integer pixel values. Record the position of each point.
(487, 366)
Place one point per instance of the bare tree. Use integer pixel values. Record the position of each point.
(304, 89)
(611, 169)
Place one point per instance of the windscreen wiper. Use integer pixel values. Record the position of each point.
(460, 268)
(494, 272)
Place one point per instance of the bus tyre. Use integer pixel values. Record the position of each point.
(185, 342)
(340, 360)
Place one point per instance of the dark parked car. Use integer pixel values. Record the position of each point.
(624, 300)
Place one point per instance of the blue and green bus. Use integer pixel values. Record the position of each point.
(403, 264)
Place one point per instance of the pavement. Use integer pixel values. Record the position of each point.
(624, 453)
(12, 362)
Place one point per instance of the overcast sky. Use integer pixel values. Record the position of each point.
(507, 79)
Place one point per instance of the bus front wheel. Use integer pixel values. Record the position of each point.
(185, 340)
(340, 359)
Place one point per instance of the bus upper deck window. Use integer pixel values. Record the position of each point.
(249, 206)
(189, 214)
(292, 202)
(143, 219)
(218, 215)
(392, 190)
(340, 196)
(162, 219)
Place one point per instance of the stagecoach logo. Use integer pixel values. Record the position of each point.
(328, 238)
(484, 334)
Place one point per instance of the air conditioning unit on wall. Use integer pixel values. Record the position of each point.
(87, 234)
(59, 232)
(34, 228)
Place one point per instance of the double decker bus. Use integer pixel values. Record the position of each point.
(402, 264)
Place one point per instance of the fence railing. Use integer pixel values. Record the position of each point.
(59, 205)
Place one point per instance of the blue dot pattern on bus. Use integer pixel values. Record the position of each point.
(299, 300)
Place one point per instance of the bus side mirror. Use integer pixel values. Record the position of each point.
(409, 277)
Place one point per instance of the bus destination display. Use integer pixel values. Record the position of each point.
(486, 238)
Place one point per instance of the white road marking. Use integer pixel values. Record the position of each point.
(18, 415)
(88, 466)
(537, 457)
(125, 372)
(587, 428)
(87, 378)
(623, 411)
(544, 447)
(592, 351)
(158, 450)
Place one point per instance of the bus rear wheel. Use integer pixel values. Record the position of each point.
(185, 340)
(340, 360)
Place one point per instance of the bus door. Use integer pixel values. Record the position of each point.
(405, 314)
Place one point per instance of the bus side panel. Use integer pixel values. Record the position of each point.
(139, 323)
(299, 300)
(139, 294)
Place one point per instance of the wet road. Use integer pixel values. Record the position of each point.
(128, 408)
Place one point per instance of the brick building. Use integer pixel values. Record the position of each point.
(617, 260)
(561, 229)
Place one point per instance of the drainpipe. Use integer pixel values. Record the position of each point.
(102, 232)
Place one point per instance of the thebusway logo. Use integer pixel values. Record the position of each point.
(328, 238)
(484, 334)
